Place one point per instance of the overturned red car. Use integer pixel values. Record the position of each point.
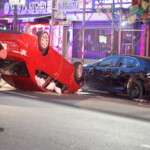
(27, 62)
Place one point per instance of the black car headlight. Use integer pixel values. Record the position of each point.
(148, 75)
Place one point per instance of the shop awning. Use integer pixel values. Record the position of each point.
(25, 16)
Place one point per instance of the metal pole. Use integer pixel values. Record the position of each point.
(112, 32)
(83, 31)
(15, 17)
(132, 40)
(120, 31)
(148, 39)
(52, 23)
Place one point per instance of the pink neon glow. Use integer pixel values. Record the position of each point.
(142, 47)
(39, 25)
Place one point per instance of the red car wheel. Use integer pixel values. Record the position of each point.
(43, 41)
(78, 70)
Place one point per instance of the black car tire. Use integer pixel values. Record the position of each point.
(43, 42)
(112, 93)
(84, 89)
(78, 71)
(136, 90)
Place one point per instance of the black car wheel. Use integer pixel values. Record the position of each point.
(78, 70)
(136, 90)
(43, 42)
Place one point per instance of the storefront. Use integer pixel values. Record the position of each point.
(142, 8)
(35, 16)
(33, 12)
(67, 38)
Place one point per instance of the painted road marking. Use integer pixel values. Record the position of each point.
(83, 93)
(20, 94)
(146, 146)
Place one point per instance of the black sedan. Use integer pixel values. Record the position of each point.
(120, 74)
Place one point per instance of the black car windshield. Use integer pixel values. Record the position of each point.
(108, 62)
(148, 60)
(145, 58)
(129, 62)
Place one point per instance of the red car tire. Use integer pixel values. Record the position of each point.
(43, 42)
(78, 70)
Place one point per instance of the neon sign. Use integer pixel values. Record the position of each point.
(105, 3)
(68, 5)
(34, 7)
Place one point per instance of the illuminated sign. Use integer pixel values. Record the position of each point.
(32, 7)
(66, 23)
(6, 8)
(88, 4)
(28, 20)
(17, 2)
(115, 1)
(68, 5)
(102, 39)
(104, 3)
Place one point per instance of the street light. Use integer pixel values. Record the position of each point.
(124, 23)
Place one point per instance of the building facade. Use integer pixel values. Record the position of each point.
(36, 15)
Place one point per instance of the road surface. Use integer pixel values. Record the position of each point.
(81, 121)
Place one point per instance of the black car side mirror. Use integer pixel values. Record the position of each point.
(98, 64)
(92, 69)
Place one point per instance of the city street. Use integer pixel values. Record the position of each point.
(62, 46)
(80, 121)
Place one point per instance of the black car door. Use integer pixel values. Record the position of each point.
(100, 75)
(126, 68)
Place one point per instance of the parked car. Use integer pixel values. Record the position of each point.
(120, 74)
(27, 62)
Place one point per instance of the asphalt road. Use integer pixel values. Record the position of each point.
(81, 121)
